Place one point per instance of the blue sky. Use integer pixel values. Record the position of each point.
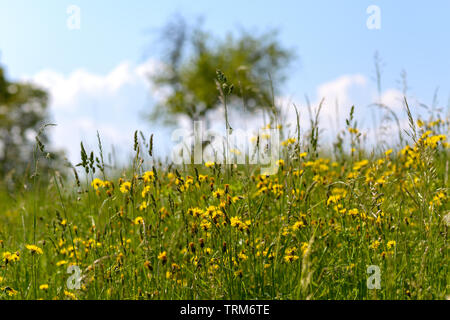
(335, 51)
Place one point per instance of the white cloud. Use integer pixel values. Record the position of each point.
(83, 102)
(114, 104)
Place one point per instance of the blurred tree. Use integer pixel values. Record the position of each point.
(22, 112)
(192, 56)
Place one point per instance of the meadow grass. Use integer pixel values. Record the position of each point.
(310, 231)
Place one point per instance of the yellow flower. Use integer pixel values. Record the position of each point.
(145, 191)
(148, 176)
(280, 163)
(304, 247)
(298, 225)
(43, 287)
(218, 194)
(375, 244)
(10, 257)
(34, 249)
(138, 220)
(205, 225)
(360, 164)
(288, 142)
(61, 263)
(143, 206)
(125, 187)
(238, 273)
(290, 258)
(70, 295)
(11, 291)
(97, 183)
(391, 244)
(209, 164)
(162, 256)
(242, 256)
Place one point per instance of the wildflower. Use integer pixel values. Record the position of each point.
(290, 258)
(61, 263)
(11, 291)
(145, 191)
(280, 163)
(148, 176)
(138, 220)
(360, 164)
(209, 164)
(237, 223)
(97, 183)
(43, 287)
(163, 256)
(388, 152)
(205, 225)
(242, 256)
(375, 244)
(10, 257)
(70, 295)
(353, 212)
(333, 199)
(304, 248)
(170, 176)
(297, 225)
(195, 212)
(143, 206)
(218, 194)
(148, 265)
(288, 142)
(391, 244)
(125, 187)
(34, 249)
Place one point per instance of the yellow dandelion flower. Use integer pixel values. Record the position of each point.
(138, 220)
(391, 244)
(61, 263)
(70, 295)
(97, 183)
(125, 187)
(34, 249)
(209, 164)
(148, 176)
(43, 287)
(162, 256)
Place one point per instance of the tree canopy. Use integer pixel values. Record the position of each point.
(252, 63)
(23, 110)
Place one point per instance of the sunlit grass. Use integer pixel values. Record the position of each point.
(227, 232)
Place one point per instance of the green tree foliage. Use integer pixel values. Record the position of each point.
(252, 63)
(23, 110)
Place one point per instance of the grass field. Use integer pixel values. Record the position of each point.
(212, 231)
